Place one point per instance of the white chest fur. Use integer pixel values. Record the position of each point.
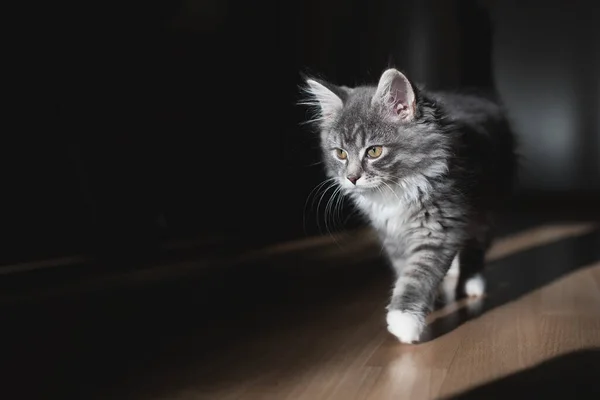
(390, 215)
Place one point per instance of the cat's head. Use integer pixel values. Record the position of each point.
(376, 137)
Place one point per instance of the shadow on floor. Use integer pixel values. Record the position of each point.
(513, 277)
(145, 341)
(574, 375)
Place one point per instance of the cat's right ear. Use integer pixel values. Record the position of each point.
(327, 100)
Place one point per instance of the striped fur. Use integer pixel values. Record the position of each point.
(447, 163)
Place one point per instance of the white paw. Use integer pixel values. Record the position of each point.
(475, 286)
(407, 327)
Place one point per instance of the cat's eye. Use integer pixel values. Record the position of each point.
(341, 154)
(374, 151)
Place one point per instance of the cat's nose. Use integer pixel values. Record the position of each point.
(353, 178)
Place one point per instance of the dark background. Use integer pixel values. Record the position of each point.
(144, 122)
(165, 134)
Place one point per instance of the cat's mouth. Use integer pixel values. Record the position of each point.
(363, 186)
(376, 186)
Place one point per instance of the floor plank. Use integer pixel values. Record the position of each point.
(318, 334)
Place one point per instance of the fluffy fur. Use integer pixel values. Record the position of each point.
(446, 163)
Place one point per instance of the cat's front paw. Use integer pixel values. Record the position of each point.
(406, 326)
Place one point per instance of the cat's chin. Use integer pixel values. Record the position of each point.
(364, 190)
(361, 188)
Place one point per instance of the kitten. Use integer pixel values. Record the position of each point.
(428, 170)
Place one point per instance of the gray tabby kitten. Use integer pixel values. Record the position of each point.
(427, 170)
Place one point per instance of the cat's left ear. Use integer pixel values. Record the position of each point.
(395, 96)
(328, 98)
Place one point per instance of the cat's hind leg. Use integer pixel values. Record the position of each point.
(471, 282)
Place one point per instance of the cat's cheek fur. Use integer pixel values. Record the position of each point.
(406, 326)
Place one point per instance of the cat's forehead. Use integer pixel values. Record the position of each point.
(359, 124)
(358, 103)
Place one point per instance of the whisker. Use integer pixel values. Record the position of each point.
(350, 215)
(313, 164)
(313, 193)
(391, 190)
(328, 212)
(336, 209)
(319, 187)
(319, 205)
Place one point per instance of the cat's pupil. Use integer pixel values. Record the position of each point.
(374, 151)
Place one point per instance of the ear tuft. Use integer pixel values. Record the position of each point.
(323, 98)
(395, 96)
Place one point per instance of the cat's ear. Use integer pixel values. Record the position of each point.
(328, 99)
(395, 96)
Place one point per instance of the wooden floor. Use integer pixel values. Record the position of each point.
(315, 329)
(343, 351)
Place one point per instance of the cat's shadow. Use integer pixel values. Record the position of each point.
(513, 277)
